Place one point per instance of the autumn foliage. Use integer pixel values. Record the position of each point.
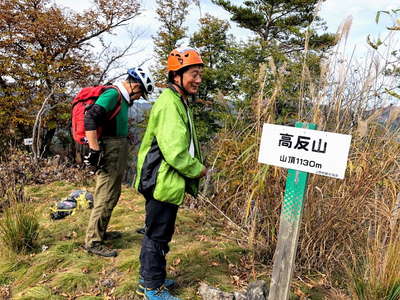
(46, 48)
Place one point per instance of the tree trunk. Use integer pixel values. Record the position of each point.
(37, 130)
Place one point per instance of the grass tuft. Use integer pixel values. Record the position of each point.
(73, 282)
(19, 229)
(38, 293)
(376, 274)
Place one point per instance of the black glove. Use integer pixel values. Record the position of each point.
(93, 159)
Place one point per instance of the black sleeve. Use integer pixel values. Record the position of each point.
(94, 117)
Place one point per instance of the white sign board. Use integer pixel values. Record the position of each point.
(28, 141)
(312, 151)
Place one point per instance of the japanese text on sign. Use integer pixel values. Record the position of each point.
(313, 151)
(302, 143)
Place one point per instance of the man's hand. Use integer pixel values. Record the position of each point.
(203, 172)
(93, 159)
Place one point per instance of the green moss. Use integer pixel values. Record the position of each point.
(5, 279)
(198, 252)
(38, 271)
(73, 282)
(130, 265)
(33, 189)
(206, 263)
(119, 212)
(16, 264)
(66, 248)
(54, 191)
(126, 288)
(38, 293)
(92, 264)
(60, 184)
(13, 269)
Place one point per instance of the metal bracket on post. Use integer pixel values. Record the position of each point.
(290, 220)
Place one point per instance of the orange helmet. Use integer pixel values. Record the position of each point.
(183, 57)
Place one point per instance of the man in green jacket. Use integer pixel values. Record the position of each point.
(169, 164)
(109, 155)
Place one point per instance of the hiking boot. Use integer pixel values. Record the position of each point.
(112, 235)
(161, 293)
(141, 230)
(101, 250)
(168, 283)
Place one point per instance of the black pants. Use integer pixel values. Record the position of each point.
(160, 227)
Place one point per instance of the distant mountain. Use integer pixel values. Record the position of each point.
(138, 110)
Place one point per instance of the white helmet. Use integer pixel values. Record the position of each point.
(143, 76)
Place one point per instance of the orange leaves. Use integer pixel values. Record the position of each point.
(42, 47)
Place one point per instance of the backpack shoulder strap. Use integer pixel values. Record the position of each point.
(118, 106)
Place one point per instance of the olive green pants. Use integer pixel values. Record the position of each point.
(108, 187)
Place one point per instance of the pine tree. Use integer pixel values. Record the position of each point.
(284, 30)
(216, 47)
(172, 15)
(282, 22)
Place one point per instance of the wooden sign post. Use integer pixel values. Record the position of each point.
(290, 220)
(302, 150)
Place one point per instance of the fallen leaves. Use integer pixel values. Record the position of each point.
(176, 261)
(5, 292)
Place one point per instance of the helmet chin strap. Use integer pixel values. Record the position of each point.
(182, 87)
(186, 93)
(130, 103)
(132, 94)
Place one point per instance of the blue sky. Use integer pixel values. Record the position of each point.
(363, 14)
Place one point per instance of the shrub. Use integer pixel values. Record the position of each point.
(19, 228)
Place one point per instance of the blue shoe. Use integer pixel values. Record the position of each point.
(161, 293)
(168, 283)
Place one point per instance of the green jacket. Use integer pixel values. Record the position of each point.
(165, 168)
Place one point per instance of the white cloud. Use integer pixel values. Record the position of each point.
(363, 13)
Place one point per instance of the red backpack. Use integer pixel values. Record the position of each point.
(86, 98)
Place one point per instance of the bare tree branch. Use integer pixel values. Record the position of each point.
(36, 132)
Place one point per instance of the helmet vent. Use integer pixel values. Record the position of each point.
(143, 77)
(182, 57)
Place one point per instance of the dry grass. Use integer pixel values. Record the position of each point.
(342, 218)
(375, 274)
(19, 229)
